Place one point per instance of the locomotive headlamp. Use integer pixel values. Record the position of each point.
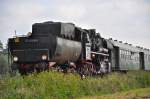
(15, 58)
(93, 55)
(44, 57)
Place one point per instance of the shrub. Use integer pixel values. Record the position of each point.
(59, 86)
(3, 64)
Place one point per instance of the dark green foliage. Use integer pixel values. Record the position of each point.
(1, 45)
(3, 60)
(3, 64)
(48, 85)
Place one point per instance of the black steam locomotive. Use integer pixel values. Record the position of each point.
(67, 47)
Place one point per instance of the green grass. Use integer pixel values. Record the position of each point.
(54, 85)
(142, 93)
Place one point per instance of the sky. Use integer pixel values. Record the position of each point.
(124, 20)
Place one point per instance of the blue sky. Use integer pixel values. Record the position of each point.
(124, 20)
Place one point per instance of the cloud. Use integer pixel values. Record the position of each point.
(127, 20)
(17, 16)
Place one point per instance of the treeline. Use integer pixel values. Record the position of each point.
(4, 68)
(3, 64)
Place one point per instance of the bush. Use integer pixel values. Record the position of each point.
(47, 85)
(3, 64)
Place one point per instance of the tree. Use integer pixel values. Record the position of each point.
(3, 64)
(1, 46)
(3, 60)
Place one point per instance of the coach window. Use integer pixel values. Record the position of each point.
(132, 55)
(124, 52)
(146, 56)
(128, 55)
(137, 57)
(122, 56)
(121, 53)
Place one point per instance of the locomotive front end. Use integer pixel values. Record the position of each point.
(30, 53)
(30, 50)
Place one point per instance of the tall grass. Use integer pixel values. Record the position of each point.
(49, 85)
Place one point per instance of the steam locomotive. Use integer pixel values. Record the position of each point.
(68, 47)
